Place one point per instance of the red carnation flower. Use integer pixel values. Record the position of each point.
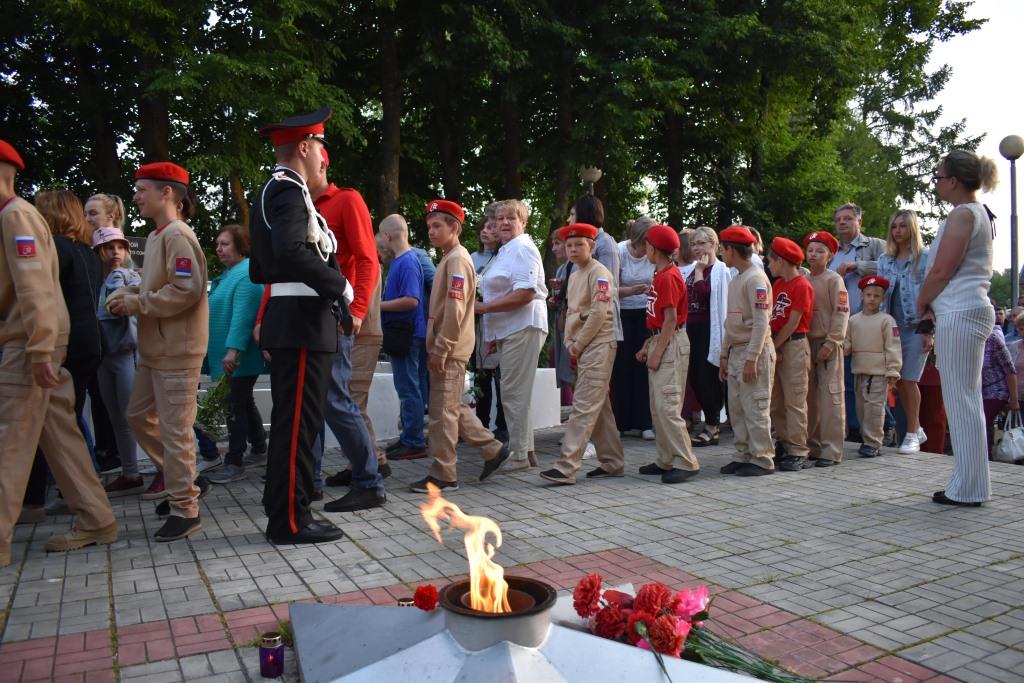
(653, 598)
(587, 595)
(425, 597)
(635, 617)
(624, 600)
(610, 622)
(665, 637)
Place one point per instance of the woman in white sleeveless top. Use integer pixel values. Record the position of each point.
(955, 296)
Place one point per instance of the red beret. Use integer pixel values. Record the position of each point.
(663, 237)
(162, 170)
(823, 237)
(788, 250)
(577, 230)
(445, 206)
(9, 155)
(873, 281)
(325, 157)
(737, 234)
(297, 128)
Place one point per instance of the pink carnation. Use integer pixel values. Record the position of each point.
(692, 602)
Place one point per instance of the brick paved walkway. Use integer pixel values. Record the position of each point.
(849, 573)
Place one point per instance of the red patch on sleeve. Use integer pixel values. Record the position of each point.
(895, 331)
(183, 267)
(844, 298)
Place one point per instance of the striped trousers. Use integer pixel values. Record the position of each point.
(959, 351)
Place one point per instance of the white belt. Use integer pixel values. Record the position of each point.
(302, 289)
(291, 289)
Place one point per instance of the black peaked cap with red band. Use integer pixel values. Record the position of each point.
(297, 128)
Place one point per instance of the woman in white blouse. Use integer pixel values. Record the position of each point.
(630, 398)
(516, 319)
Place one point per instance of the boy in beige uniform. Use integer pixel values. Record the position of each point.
(873, 338)
(173, 320)
(748, 356)
(37, 402)
(826, 410)
(451, 338)
(590, 342)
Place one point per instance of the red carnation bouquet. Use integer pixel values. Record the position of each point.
(667, 623)
(656, 619)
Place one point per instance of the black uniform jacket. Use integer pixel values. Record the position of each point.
(280, 254)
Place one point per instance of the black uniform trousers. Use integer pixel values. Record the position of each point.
(298, 386)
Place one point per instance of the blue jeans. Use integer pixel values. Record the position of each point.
(424, 377)
(405, 370)
(346, 422)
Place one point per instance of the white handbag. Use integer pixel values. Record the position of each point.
(1011, 448)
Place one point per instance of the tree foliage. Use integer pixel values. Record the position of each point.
(702, 111)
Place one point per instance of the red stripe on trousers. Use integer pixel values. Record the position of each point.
(296, 419)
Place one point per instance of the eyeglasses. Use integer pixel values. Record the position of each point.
(936, 178)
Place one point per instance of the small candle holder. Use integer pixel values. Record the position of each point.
(272, 655)
(406, 602)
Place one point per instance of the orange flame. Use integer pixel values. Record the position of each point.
(488, 590)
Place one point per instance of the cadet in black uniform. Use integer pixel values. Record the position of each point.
(293, 251)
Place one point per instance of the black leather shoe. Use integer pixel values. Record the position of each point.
(653, 469)
(822, 462)
(601, 473)
(357, 499)
(556, 477)
(421, 485)
(678, 476)
(163, 508)
(749, 469)
(318, 494)
(177, 527)
(404, 452)
(314, 532)
(940, 498)
(491, 466)
(343, 478)
(731, 467)
(791, 463)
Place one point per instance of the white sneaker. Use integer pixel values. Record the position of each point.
(648, 435)
(515, 465)
(921, 436)
(911, 443)
(589, 452)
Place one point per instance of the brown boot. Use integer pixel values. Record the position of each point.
(80, 538)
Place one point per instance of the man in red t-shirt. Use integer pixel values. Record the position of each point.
(790, 321)
(667, 355)
(349, 219)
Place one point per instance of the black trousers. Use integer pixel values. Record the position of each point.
(631, 401)
(298, 386)
(489, 384)
(702, 375)
(245, 424)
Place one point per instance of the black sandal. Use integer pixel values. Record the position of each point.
(706, 438)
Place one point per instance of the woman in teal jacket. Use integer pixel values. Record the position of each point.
(234, 302)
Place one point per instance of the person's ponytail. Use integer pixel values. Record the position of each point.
(974, 172)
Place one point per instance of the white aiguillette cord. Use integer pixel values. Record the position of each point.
(317, 232)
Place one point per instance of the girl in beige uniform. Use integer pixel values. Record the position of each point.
(173, 327)
(451, 338)
(826, 411)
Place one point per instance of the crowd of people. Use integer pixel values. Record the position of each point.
(660, 337)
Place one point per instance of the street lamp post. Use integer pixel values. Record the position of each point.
(1012, 147)
(590, 175)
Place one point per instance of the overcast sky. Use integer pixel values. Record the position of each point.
(986, 89)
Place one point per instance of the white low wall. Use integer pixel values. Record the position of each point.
(383, 405)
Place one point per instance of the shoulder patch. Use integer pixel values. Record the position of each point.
(844, 298)
(458, 282)
(602, 284)
(895, 331)
(26, 245)
(183, 267)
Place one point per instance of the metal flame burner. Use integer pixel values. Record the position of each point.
(527, 624)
